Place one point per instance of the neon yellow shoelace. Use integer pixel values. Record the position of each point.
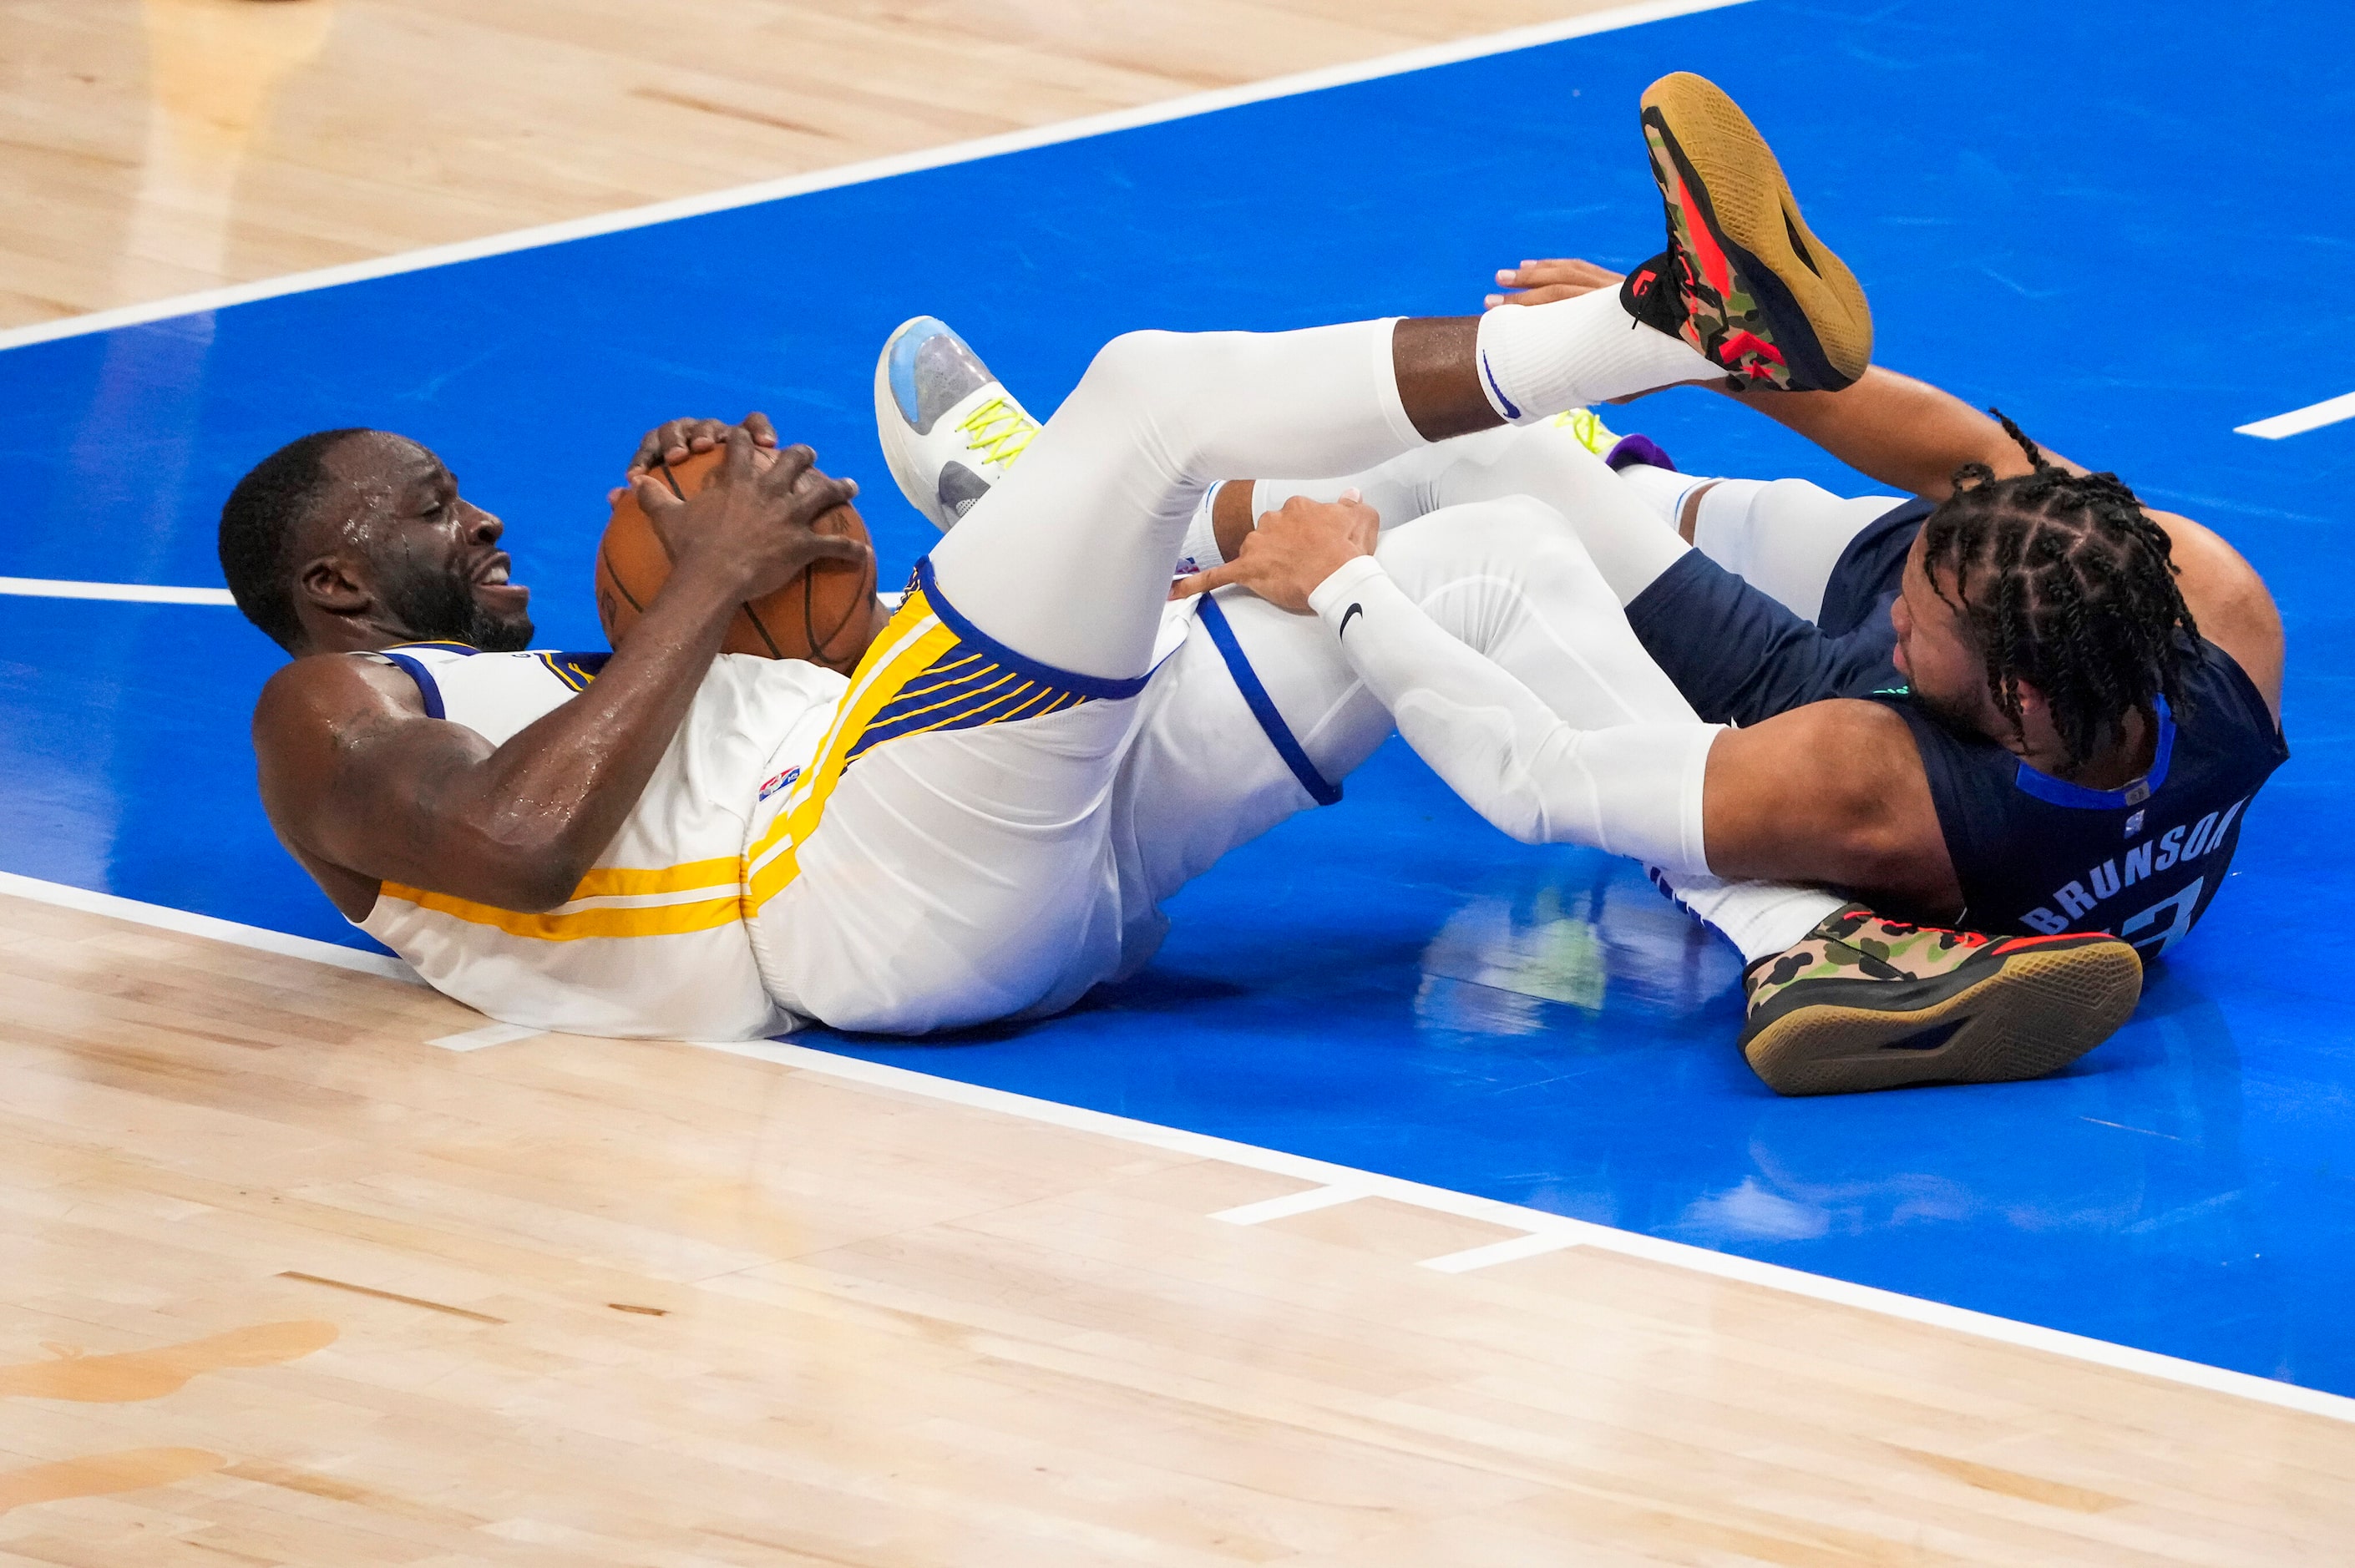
(998, 430)
(1587, 429)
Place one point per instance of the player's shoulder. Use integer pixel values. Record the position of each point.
(319, 692)
(2230, 600)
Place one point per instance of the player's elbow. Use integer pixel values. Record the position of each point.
(525, 869)
(536, 893)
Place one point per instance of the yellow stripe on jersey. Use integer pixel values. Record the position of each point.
(571, 926)
(720, 876)
(911, 645)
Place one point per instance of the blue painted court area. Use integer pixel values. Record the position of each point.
(2128, 225)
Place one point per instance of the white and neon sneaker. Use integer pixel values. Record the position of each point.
(1618, 452)
(950, 429)
(1587, 428)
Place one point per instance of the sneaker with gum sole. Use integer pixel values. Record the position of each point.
(1743, 281)
(1864, 1003)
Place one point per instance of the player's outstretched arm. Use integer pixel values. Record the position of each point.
(357, 780)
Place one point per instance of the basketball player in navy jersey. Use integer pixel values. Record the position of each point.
(2034, 704)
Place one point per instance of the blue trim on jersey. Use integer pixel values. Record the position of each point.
(466, 647)
(1047, 675)
(1262, 706)
(963, 691)
(427, 686)
(575, 670)
(2061, 792)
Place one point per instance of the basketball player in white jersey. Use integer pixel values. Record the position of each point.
(674, 842)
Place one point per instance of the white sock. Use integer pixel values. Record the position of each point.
(1538, 360)
(1200, 553)
(1762, 918)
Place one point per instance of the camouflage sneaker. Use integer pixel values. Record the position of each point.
(1742, 281)
(949, 429)
(1864, 1003)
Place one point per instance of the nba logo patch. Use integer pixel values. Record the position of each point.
(790, 774)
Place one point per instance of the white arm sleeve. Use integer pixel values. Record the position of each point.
(1632, 789)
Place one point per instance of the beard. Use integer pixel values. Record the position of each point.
(441, 606)
(1962, 717)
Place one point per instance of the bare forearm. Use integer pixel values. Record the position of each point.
(1904, 433)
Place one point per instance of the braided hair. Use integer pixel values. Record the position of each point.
(2066, 584)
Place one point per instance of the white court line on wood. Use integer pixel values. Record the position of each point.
(1291, 1203)
(856, 173)
(1320, 1173)
(229, 931)
(1537, 1221)
(488, 1034)
(1530, 1246)
(2297, 421)
(137, 593)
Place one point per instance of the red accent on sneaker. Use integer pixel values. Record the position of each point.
(1747, 342)
(1713, 264)
(2016, 944)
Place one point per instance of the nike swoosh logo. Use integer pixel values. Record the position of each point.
(1353, 610)
(1504, 402)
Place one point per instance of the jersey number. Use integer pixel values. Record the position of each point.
(2177, 914)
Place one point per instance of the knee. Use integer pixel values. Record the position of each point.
(1134, 363)
(1495, 552)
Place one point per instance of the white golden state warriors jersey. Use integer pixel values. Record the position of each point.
(653, 942)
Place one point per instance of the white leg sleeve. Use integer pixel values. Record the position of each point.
(1621, 534)
(1783, 536)
(1518, 679)
(1067, 559)
(1616, 783)
(1762, 918)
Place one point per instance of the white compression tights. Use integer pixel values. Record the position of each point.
(1068, 558)
(1491, 739)
(1506, 585)
(1782, 536)
(1620, 532)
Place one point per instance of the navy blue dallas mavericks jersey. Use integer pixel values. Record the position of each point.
(2031, 851)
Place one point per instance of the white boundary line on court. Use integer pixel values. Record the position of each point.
(136, 593)
(2297, 421)
(229, 931)
(545, 234)
(1331, 1183)
(1557, 1229)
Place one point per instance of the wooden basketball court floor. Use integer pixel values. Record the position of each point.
(300, 1264)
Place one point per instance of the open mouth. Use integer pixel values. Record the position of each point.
(493, 576)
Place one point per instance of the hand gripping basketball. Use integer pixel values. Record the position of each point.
(782, 533)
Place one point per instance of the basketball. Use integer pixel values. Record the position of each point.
(823, 615)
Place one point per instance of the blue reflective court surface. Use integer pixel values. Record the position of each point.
(2122, 224)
